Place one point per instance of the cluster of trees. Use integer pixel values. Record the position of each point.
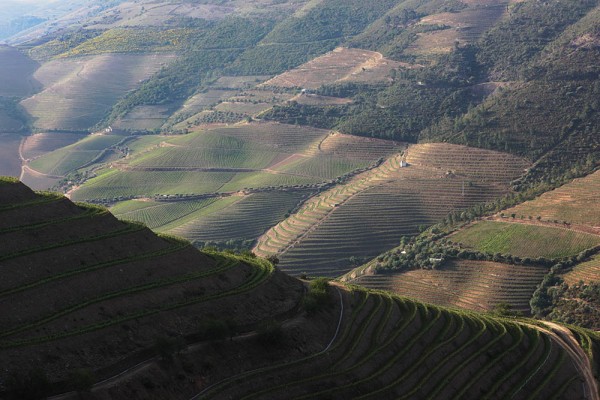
(577, 304)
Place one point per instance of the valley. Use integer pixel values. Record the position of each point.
(300, 199)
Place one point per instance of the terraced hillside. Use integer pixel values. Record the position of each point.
(367, 215)
(81, 289)
(239, 217)
(525, 240)
(243, 159)
(588, 271)
(471, 285)
(340, 65)
(392, 347)
(90, 150)
(574, 203)
(77, 92)
(16, 73)
(75, 296)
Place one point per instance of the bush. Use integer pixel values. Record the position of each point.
(317, 296)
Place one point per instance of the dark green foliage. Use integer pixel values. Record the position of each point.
(577, 304)
(11, 108)
(233, 245)
(504, 310)
(332, 19)
(275, 58)
(317, 296)
(302, 114)
(395, 32)
(531, 26)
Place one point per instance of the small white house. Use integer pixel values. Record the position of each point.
(403, 164)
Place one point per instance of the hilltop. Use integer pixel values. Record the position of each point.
(81, 289)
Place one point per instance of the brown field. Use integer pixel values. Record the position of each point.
(341, 64)
(577, 202)
(588, 271)
(472, 285)
(465, 26)
(367, 215)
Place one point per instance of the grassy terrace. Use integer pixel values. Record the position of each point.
(71, 158)
(392, 347)
(229, 159)
(524, 240)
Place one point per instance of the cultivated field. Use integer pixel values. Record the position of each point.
(259, 162)
(524, 240)
(588, 271)
(124, 283)
(244, 218)
(464, 26)
(144, 118)
(576, 202)
(470, 285)
(392, 347)
(90, 150)
(79, 91)
(234, 158)
(341, 64)
(367, 215)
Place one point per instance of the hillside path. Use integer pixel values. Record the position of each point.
(565, 339)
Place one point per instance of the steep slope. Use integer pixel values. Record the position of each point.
(81, 289)
(381, 346)
(349, 223)
(150, 317)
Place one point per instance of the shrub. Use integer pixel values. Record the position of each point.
(317, 296)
